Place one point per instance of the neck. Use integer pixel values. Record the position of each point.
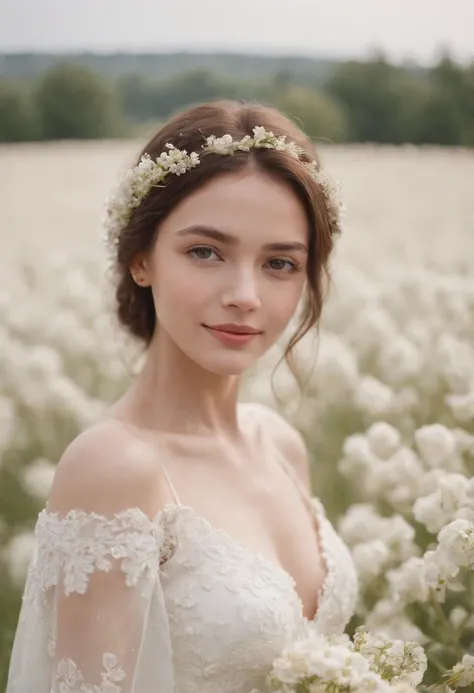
(174, 394)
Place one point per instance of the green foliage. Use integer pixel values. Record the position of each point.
(144, 99)
(139, 98)
(318, 114)
(455, 87)
(393, 105)
(373, 95)
(438, 121)
(167, 66)
(189, 88)
(372, 101)
(17, 121)
(76, 103)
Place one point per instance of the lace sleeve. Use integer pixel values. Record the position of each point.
(93, 617)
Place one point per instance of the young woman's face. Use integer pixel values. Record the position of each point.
(232, 255)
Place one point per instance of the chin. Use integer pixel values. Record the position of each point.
(230, 364)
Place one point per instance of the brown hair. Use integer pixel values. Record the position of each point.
(188, 130)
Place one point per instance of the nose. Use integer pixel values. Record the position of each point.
(242, 291)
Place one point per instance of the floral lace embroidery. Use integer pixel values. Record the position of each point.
(337, 594)
(228, 611)
(69, 678)
(264, 598)
(80, 543)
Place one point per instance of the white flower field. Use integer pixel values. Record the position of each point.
(388, 410)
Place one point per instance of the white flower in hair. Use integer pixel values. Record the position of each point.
(260, 133)
(221, 145)
(148, 173)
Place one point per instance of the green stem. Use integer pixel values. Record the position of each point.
(437, 665)
(446, 625)
(434, 688)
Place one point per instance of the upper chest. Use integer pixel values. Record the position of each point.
(257, 504)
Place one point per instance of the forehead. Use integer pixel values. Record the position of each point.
(248, 204)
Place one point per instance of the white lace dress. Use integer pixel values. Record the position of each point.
(163, 605)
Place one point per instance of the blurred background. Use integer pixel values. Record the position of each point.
(386, 89)
(351, 72)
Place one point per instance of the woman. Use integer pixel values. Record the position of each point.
(180, 549)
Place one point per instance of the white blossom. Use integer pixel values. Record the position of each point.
(464, 441)
(456, 542)
(17, 555)
(370, 328)
(408, 582)
(383, 439)
(357, 455)
(360, 523)
(398, 478)
(463, 672)
(430, 481)
(388, 616)
(462, 406)
(43, 363)
(399, 535)
(330, 665)
(442, 506)
(440, 573)
(366, 532)
(455, 361)
(37, 478)
(399, 360)
(459, 616)
(436, 444)
(400, 661)
(370, 559)
(373, 397)
(336, 372)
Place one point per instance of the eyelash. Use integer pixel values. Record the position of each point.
(294, 266)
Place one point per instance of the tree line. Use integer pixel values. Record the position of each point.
(358, 101)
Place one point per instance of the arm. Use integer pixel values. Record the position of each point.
(93, 618)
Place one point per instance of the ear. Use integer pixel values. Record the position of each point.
(139, 269)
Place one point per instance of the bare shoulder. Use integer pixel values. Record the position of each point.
(106, 469)
(287, 438)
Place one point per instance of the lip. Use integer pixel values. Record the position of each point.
(233, 328)
(231, 339)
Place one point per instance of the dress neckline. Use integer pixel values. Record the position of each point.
(319, 516)
(173, 508)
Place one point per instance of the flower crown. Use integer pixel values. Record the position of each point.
(149, 174)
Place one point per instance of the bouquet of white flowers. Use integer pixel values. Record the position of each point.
(370, 663)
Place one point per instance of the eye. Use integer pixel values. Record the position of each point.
(280, 264)
(203, 252)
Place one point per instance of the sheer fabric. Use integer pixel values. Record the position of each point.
(93, 617)
(130, 604)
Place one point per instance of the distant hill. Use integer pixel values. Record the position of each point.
(309, 71)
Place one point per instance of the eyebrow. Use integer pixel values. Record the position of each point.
(229, 239)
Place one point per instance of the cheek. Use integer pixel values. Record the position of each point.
(186, 293)
(178, 291)
(284, 302)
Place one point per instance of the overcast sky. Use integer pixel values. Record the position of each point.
(404, 29)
